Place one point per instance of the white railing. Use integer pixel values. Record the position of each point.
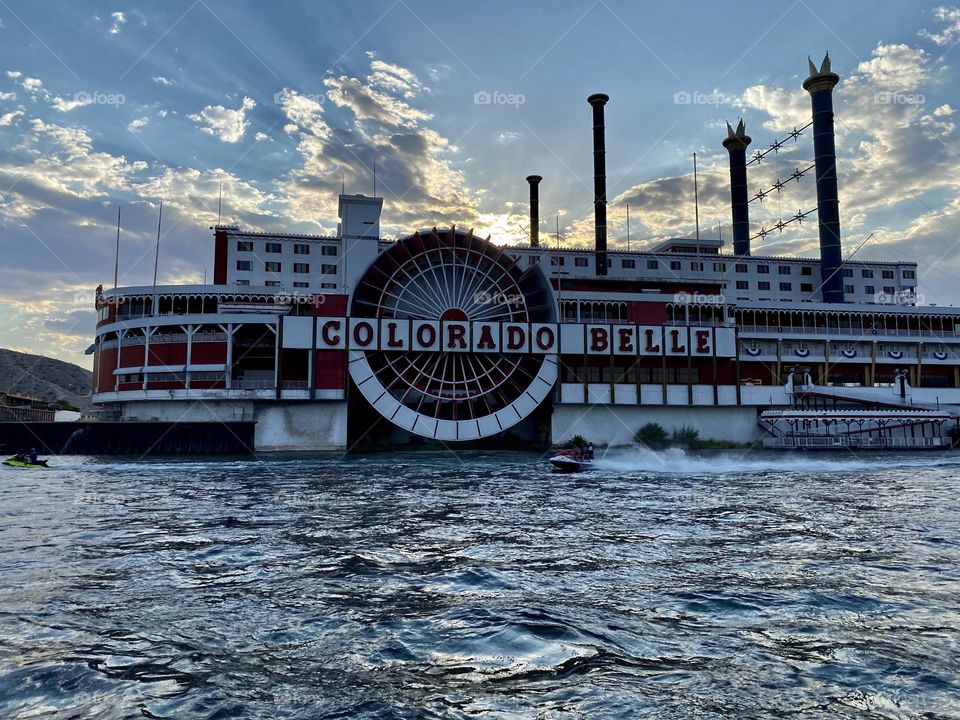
(866, 333)
(254, 384)
(852, 441)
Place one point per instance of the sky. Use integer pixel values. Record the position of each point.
(107, 104)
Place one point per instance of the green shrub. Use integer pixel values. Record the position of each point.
(577, 440)
(687, 436)
(653, 436)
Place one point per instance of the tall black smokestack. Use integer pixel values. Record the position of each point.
(736, 144)
(597, 101)
(820, 85)
(534, 181)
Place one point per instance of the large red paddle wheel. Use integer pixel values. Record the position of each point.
(452, 276)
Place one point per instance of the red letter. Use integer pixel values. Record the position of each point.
(455, 336)
(598, 339)
(392, 340)
(328, 337)
(651, 348)
(366, 338)
(516, 338)
(545, 343)
(486, 339)
(626, 340)
(420, 338)
(676, 346)
(702, 337)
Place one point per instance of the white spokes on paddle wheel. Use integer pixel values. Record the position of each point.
(454, 276)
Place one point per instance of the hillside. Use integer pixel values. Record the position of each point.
(45, 378)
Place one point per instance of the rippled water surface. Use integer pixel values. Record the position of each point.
(482, 586)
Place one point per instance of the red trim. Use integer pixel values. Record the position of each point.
(220, 257)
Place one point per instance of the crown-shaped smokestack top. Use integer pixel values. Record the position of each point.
(822, 79)
(736, 139)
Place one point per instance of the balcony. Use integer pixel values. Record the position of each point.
(865, 333)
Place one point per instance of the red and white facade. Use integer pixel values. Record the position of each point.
(451, 337)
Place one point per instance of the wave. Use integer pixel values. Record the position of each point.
(675, 460)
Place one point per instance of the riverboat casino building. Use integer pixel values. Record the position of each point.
(352, 340)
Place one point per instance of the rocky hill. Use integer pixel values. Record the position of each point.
(43, 377)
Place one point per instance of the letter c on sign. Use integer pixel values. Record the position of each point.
(327, 333)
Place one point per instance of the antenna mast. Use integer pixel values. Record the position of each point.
(219, 202)
(628, 227)
(696, 201)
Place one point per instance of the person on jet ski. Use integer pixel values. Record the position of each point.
(589, 451)
(33, 456)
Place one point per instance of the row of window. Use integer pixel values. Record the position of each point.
(719, 267)
(277, 248)
(620, 375)
(784, 286)
(298, 285)
(275, 267)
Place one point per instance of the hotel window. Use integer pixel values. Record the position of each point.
(763, 269)
(328, 269)
(244, 246)
(301, 268)
(328, 250)
(848, 289)
(783, 269)
(743, 285)
(763, 285)
(301, 284)
(274, 248)
(909, 274)
(786, 287)
(243, 282)
(889, 290)
(847, 272)
(867, 274)
(651, 264)
(806, 270)
(271, 267)
(532, 260)
(628, 264)
(301, 249)
(806, 287)
(245, 265)
(870, 290)
(580, 262)
(556, 260)
(719, 267)
(674, 264)
(741, 268)
(272, 283)
(696, 266)
(328, 286)
(888, 274)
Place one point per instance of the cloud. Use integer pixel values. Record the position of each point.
(31, 84)
(5, 96)
(950, 18)
(138, 124)
(508, 137)
(10, 117)
(228, 125)
(118, 20)
(14, 73)
(63, 105)
(161, 80)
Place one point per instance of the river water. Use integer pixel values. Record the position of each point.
(481, 585)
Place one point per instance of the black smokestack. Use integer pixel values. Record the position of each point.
(597, 101)
(736, 144)
(534, 181)
(820, 85)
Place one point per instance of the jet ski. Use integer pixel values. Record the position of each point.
(18, 461)
(566, 462)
